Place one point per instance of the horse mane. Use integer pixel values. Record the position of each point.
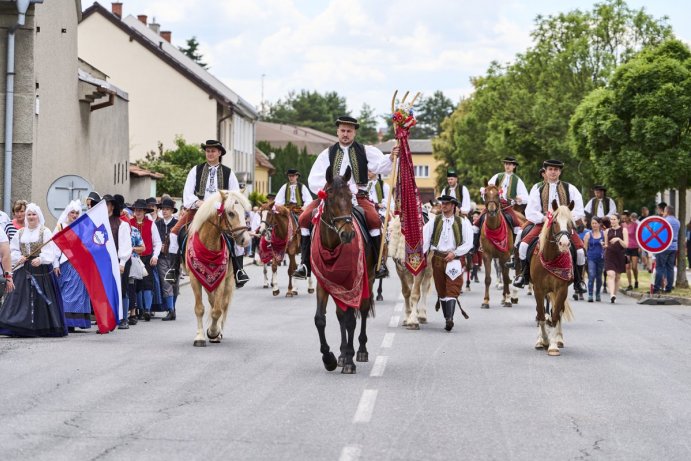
(544, 233)
(210, 206)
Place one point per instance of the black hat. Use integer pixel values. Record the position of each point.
(152, 201)
(94, 197)
(108, 198)
(348, 120)
(552, 162)
(140, 204)
(168, 203)
(448, 198)
(270, 196)
(510, 160)
(292, 171)
(451, 173)
(214, 143)
(120, 200)
(599, 187)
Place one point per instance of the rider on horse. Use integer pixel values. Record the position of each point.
(293, 194)
(361, 159)
(457, 191)
(204, 180)
(541, 196)
(449, 236)
(378, 192)
(512, 191)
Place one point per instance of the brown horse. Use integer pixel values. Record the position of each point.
(281, 233)
(551, 279)
(496, 240)
(218, 223)
(337, 234)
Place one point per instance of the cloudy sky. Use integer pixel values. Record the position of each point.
(362, 49)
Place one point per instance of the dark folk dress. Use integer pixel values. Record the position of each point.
(615, 253)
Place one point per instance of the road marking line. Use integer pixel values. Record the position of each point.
(398, 307)
(363, 414)
(388, 340)
(379, 366)
(393, 323)
(350, 453)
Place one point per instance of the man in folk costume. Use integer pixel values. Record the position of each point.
(361, 159)
(539, 204)
(378, 192)
(293, 194)
(457, 191)
(168, 260)
(513, 191)
(203, 181)
(450, 237)
(600, 205)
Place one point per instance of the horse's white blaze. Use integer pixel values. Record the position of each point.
(262, 226)
(365, 408)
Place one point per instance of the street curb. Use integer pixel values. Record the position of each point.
(639, 296)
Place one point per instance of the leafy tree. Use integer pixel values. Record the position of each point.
(637, 130)
(173, 164)
(310, 109)
(430, 113)
(192, 52)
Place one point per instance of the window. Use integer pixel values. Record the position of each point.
(421, 171)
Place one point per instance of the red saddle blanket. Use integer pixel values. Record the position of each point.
(498, 237)
(561, 267)
(207, 266)
(343, 271)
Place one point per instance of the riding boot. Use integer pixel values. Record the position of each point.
(383, 270)
(241, 276)
(524, 277)
(578, 283)
(304, 270)
(448, 313)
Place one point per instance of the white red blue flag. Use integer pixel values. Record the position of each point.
(88, 244)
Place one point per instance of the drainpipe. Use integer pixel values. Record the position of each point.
(22, 7)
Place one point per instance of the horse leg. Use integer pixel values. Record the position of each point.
(406, 282)
(328, 357)
(487, 261)
(362, 354)
(344, 337)
(498, 269)
(555, 322)
(310, 285)
(266, 276)
(379, 296)
(199, 339)
(507, 290)
(542, 338)
(413, 301)
(218, 307)
(349, 322)
(274, 277)
(292, 265)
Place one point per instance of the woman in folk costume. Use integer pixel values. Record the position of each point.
(152, 242)
(75, 298)
(450, 237)
(34, 308)
(168, 260)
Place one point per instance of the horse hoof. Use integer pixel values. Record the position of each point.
(560, 344)
(413, 326)
(276, 292)
(266, 286)
(380, 298)
(514, 300)
(362, 356)
(217, 339)
(341, 361)
(310, 290)
(289, 294)
(540, 345)
(484, 306)
(349, 369)
(199, 343)
(404, 323)
(295, 293)
(505, 304)
(553, 352)
(422, 319)
(329, 361)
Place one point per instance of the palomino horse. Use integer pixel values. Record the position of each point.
(341, 256)
(218, 223)
(414, 288)
(496, 239)
(551, 270)
(280, 236)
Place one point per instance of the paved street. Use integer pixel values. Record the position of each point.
(619, 391)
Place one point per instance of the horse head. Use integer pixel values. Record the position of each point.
(338, 205)
(273, 216)
(233, 221)
(492, 200)
(558, 227)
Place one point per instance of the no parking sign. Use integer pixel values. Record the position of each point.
(654, 234)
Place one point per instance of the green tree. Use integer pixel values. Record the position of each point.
(174, 164)
(287, 157)
(429, 113)
(192, 52)
(367, 133)
(637, 130)
(310, 109)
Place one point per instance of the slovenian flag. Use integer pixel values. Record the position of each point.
(88, 244)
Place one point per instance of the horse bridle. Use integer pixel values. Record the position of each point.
(334, 220)
(230, 231)
(557, 235)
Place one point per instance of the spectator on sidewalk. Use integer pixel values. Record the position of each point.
(666, 260)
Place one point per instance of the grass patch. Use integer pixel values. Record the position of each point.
(645, 279)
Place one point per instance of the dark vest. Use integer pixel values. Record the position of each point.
(458, 189)
(115, 229)
(456, 227)
(358, 161)
(199, 189)
(562, 193)
(298, 194)
(513, 185)
(164, 232)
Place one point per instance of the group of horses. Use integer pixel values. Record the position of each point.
(222, 219)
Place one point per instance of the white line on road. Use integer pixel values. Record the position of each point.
(363, 414)
(379, 366)
(350, 453)
(398, 307)
(388, 340)
(393, 323)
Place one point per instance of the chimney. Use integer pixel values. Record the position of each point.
(142, 18)
(156, 27)
(117, 9)
(166, 35)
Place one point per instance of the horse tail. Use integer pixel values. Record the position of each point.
(568, 313)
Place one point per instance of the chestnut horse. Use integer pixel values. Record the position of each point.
(218, 223)
(280, 230)
(551, 270)
(495, 247)
(337, 230)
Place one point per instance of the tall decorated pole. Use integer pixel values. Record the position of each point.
(408, 204)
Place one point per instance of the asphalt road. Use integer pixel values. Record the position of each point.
(619, 391)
